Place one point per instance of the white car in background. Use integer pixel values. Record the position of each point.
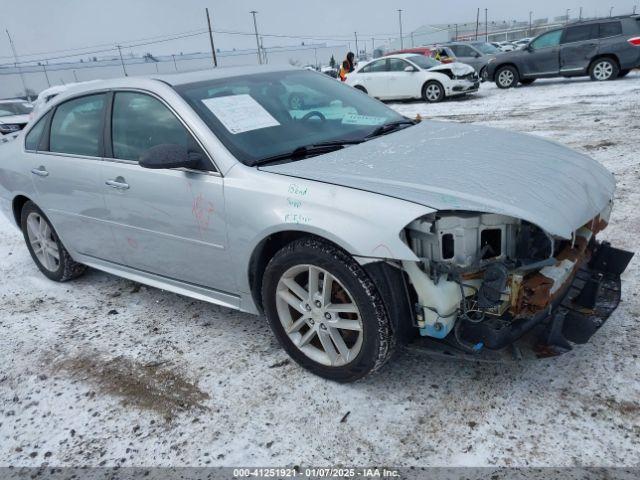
(407, 76)
(14, 116)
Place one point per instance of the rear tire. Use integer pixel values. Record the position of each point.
(604, 69)
(507, 77)
(45, 247)
(433, 92)
(306, 321)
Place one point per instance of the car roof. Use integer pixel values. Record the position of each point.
(169, 79)
(175, 79)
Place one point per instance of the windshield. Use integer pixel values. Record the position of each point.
(424, 62)
(14, 108)
(486, 48)
(264, 115)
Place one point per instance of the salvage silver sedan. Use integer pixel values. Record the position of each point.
(354, 229)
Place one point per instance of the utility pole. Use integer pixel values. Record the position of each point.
(580, 14)
(17, 64)
(255, 27)
(175, 65)
(44, 69)
(568, 11)
(611, 12)
(456, 37)
(357, 51)
(530, 23)
(122, 60)
(486, 25)
(264, 52)
(75, 77)
(412, 42)
(373, 45)
(634, 9)
(213, 50)
(400, 21)
(477, 23)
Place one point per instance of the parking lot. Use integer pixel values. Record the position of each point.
(103, 371)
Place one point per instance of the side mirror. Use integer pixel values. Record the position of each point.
(409, 69)
(169, 156)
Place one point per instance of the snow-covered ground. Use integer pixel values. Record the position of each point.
(101, 371)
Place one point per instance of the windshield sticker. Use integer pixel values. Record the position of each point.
(240, 113)
(354, 119)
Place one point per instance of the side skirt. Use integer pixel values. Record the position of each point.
(182, 288)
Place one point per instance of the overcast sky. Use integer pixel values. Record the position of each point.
(49, 25)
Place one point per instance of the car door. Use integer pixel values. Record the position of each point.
(168, 222)
(543, 56)
(402, 84)
(66, 174)
(374, 78)
(579, 45)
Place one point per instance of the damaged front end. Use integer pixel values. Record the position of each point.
(486, 281)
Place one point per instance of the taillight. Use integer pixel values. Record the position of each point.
(635, 41)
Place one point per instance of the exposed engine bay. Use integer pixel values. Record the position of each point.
(484, 280)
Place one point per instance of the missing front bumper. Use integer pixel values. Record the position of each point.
(576, 315)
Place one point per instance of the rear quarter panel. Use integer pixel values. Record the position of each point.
(15, 178)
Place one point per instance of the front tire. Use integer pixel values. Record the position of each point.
(604, 69)
(326, 312)
(484, 74)
(45, 247)
(433, 92)
(507, 77)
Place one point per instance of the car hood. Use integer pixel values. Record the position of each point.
(449, 166)
(14, 119)
(458, 69)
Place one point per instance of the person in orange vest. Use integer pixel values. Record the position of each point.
(348, 66)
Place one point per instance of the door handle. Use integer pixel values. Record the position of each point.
(40, 171)
(118, 184)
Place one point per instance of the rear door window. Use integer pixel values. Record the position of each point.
(580, 33)
(76, 127)
(610, 29)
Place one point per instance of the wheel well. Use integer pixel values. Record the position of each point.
(18, 203)
(502, 65)
(605, 55)
(263, 253)
(361, 88)
(431, 81)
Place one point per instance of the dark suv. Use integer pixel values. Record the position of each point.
(605, 49)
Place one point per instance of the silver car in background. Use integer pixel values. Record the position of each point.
(352, 228)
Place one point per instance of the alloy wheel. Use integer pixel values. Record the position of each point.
(603, 71)
(319, 315)
(506, 78)
(44, 244)
(433, 92)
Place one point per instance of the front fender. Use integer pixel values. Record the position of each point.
(260, 204)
